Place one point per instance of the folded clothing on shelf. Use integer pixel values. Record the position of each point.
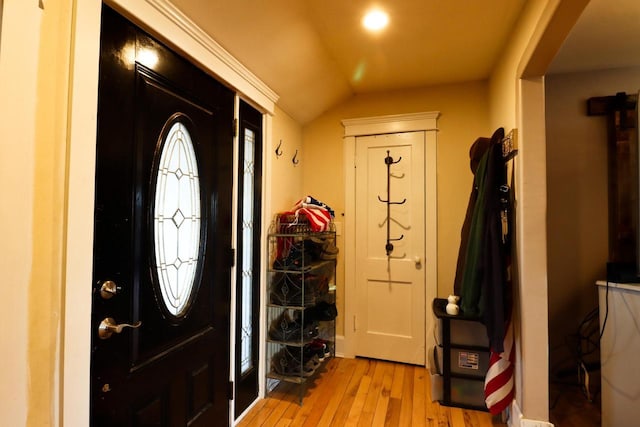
(318, 214)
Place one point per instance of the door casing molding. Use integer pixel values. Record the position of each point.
(397, 123)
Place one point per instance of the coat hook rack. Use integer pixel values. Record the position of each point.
(295, 160)
(389, 246)
(278, 149)
(509, 146)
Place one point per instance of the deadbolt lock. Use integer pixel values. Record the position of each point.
(109, 289)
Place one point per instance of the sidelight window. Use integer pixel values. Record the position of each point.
(248, 214)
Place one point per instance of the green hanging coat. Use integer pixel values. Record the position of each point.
(472, 272)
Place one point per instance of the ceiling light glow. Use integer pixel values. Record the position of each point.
(375, 20)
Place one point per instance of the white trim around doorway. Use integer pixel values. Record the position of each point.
(427, 122)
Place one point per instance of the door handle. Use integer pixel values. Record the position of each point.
(108, 326)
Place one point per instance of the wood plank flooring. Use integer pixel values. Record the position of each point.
(362, 392)
(570, 407)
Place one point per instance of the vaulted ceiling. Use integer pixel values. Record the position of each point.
(315, 54)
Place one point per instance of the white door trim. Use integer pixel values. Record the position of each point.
(167, 22)
(426, 122)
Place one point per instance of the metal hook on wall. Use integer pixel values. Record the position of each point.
(295, 160)
(279, 150)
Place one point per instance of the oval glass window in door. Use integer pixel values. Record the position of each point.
(176, 218)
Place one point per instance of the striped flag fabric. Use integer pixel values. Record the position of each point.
(499, 383)
(318, 213)
(319, 218)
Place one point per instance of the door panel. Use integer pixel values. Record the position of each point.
(174, 369)
(390, 318)
(248, 259)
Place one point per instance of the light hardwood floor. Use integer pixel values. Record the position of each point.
(362, 392)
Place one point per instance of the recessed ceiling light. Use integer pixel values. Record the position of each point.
(375, 20)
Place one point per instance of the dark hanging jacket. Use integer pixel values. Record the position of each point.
(477, 150)
(493, 300)
(484, 286)
(472, 270)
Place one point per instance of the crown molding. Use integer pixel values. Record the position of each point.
(164, 18)
(391, 123)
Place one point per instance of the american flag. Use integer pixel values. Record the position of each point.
(319, 218)
(318, 213)
(499, 389)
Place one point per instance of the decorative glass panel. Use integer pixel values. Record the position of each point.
(247, 251)
(176, 220)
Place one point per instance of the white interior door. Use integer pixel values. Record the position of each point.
(390, 312)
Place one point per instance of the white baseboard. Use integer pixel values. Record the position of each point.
(515, 415)
(516, 419)
(339, 345)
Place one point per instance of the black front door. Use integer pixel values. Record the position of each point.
(162, 241)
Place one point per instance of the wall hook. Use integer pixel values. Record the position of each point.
(279, 150)
(295, 160)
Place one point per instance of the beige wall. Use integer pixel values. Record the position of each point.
(35, 60)
(577, 230)
(464, 117)
(18, 75)
(286, 178)
(503, 84)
